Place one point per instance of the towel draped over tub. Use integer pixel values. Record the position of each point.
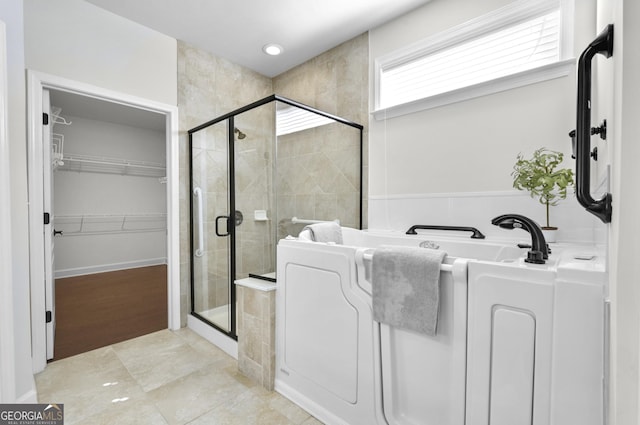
(405, 287)
(328, 231)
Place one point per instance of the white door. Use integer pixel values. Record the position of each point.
(48, 226)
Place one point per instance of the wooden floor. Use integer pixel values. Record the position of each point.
(101, 309)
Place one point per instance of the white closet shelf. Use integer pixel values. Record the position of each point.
(107, 165)
(102, 224)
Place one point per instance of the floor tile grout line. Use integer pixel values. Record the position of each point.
(183, 343)
(214, 362)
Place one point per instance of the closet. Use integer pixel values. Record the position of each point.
(108, 164)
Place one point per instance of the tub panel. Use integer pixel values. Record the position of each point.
(424, 377)
(579, 356)
(493, 289)
(512, 364)
(321, 333)
(324, 335)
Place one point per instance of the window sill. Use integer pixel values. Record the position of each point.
(532, 76)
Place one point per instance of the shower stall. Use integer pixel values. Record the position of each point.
(259, 174)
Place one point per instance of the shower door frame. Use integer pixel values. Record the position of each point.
(231, 196)
(231, 230)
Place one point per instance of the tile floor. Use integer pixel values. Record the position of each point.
(167, 377)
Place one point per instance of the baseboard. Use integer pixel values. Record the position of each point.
(307, 404)
(81, 271)
(30, 396)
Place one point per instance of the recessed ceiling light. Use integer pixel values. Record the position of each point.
(272, 49)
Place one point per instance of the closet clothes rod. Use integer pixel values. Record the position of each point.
(102, 224)
(97, 160)
(106, 165)
(112, 232)
(132, 215)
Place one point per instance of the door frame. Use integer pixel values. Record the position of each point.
(36, 82)
(7, 344)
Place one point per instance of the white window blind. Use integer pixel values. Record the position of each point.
(290, 119)
(522, 43)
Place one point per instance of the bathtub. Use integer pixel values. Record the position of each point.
(344, 368)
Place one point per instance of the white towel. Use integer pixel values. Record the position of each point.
(328, 231)
(405, 287)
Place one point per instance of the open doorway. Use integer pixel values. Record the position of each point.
(103, 198)
(108, 207)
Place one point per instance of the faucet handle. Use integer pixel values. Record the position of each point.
(534, 257)
(528, 246)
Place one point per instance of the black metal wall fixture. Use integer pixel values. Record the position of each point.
(601, 208)
(601, 130)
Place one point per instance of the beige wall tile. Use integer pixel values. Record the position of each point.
(208, 86)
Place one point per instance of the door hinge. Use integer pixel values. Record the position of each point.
(47, 218)
(48, 316)
(45, 118)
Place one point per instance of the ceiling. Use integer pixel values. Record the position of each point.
(238, 29)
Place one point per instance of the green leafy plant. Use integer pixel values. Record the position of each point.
(540, 177)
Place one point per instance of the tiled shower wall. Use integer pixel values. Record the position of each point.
(318, 176)
(255, 238)
(336, 82)
(209, 86)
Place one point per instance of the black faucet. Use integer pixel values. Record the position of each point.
(539, 250)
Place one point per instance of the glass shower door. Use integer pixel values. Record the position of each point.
(211, 230)
(253, 192)
(259, 174)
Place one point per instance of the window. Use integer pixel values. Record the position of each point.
(516, 45)
(290, 119)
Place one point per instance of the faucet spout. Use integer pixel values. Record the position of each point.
(539, 251)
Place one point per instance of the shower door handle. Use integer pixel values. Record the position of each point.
(217, 228)
(197, 192)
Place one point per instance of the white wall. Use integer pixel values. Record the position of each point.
(72, 39)
(7, 346)
(624, 151)
(411, 142)
(470, 147)
(77, 193)
(12, 14)
(82, 42)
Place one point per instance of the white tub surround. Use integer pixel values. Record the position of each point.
(335, 361)
(399, 212)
